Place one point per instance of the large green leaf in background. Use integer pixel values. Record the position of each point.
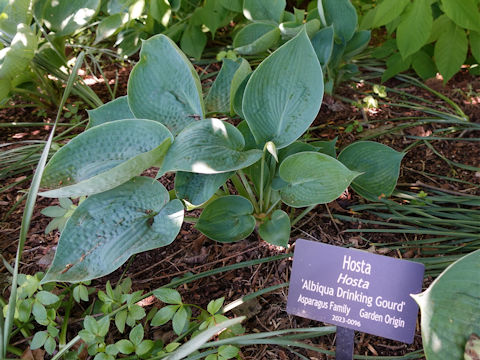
(387, 11)
(415, 27)
(106, 156)
(218, 98)
(15, 58)
(313, 178)
(284, 93)
(256, 38)
(107, 228)
(464, 13)
(164, 86)
(379, 165)
(64, 17)
(13, 13)
(227, 219)
(451, 50)
(209, 146)
(117, 109)
(475, 44)
(450, 309)
(198, 188)
(341, 14)
(255, 10)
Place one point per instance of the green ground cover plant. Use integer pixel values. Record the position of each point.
(430, 36)
(266, 164)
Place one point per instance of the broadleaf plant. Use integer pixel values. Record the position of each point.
(243, 177)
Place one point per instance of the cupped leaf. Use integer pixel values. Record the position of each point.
(276, 230)
(209, 146)
(284, 93)
(67, 16)
(450, 309)
(379, 164)
(107, 228)
(164, 86)
(313, 178)
(256, 38)
(198, 188)
(218, 98)
(264, 10)
(227, 219)
(322, 43)
(106, 156)
(357, 43)
(117, 109)
(341, 14)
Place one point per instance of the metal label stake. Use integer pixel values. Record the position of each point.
(344, 343)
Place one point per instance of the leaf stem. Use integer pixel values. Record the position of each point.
(303, 213)
(249, 190)
(63, 330)
(262, 174)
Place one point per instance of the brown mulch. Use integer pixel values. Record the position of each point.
(194, 253)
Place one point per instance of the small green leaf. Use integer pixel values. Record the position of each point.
(172, 346)
(255, 10)
(120, 319)
(106, 156)
(379, 165)
(136, 312)
(164, 315)
(50, 345)
(53, 211)
(209, 146)
(117, 109)
(112, 349)
(180, 320)
(144, 347)
(103, 326)
(283, 113)
(227, 219)
(38, 340)
(168, 296)
(164, 86)
(52, 331)
(228, 351)
(214, 306)
(313, 178)
(39, 312)
(276, 229)
(125, 346)
(90, 324)
(136, 335)
(65, 203)
(46, 297)
(25, 309)
(87, 336)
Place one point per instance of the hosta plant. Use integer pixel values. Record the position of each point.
(244, 177)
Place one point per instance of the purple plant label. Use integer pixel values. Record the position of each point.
(355, 289)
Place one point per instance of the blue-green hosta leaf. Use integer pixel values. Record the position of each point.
(240, 75)
(415, 27)
(276, 230)
(341, 14)
(290, 29)
(357, 43)
(67, 16)
(164, 86)
(117, 109)
(313, 178)
(326, 147)
(106, 156)
(227, 219)
(218, 98)
(232, 5)
(322, 43)
(464, 13)
(107, 228)
(451, 50)
(379, 164)
(450, 309)
(198, 188)
(284, 93)
(264, 10)
(14, 13)
(209, 146)
(238, 97)
(256, 38)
